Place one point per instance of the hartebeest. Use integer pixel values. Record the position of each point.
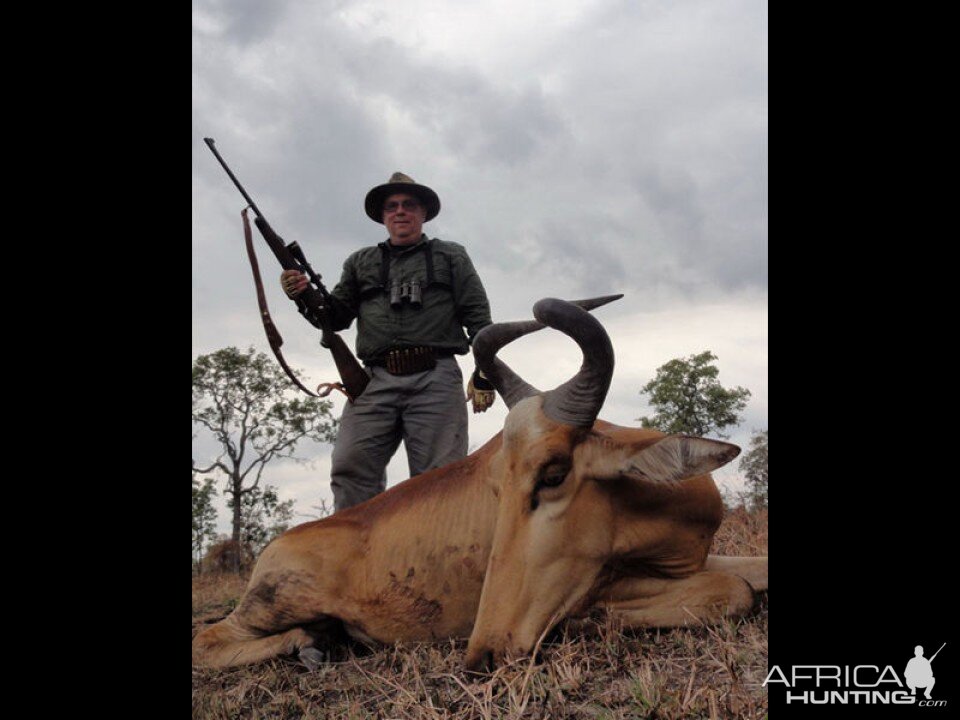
(559, 513)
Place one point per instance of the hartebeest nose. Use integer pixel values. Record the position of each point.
(481, 662)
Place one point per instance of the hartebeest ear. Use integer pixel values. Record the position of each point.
(665, 461)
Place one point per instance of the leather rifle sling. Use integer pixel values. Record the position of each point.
(273, 335)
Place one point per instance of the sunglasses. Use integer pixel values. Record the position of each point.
(393, 205)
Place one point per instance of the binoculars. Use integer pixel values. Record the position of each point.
(405, 291)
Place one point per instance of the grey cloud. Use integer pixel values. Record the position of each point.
(298, 143)
(583, 254)
(473, 117)
(506, 126)
(642, 165)
(673, 196)
(680, 121)
(244, 21)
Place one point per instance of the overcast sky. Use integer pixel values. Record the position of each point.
(579, 148)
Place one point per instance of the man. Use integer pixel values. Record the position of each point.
(919, 673)
(412, 297)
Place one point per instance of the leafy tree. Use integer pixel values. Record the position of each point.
(754, 467)
(238, 397)
(264, 517)
(688, 398)
(204, 517)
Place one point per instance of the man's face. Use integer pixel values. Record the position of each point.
(403, 215)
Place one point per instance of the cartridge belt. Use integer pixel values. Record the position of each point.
(409, 360)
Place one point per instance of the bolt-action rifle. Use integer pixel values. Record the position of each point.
(312, 302)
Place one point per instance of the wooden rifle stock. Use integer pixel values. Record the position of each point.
(315, 299)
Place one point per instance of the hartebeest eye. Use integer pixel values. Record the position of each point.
(553, 474)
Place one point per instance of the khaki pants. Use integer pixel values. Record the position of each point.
(427, 410)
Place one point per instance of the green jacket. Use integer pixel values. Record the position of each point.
(454, 301)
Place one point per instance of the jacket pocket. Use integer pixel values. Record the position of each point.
(368, 283)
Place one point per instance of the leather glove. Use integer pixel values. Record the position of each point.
(480, 391)
(293, 282)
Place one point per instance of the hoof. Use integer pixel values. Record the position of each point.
(311, 657)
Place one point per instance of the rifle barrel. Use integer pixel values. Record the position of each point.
(209, 142)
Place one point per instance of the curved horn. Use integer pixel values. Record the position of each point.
(489, 340)
(487, 343)
(578, 401)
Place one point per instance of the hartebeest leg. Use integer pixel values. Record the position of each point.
(705, 597)
(751, 569)
(229, 643)
(267, 622)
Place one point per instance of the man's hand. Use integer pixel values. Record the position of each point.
(480, 391)
(293, 282)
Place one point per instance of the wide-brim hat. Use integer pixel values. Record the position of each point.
(400, 183)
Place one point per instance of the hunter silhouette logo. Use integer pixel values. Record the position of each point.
(859, 684)
(919, 673)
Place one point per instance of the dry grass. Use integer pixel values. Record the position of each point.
(215, 596)
(598, 671)
(743, 532)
